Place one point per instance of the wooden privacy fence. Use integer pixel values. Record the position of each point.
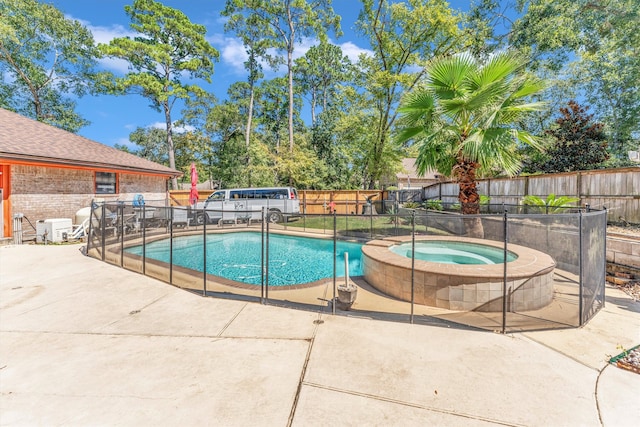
(311, 201)
(181, 197)
(351, 202)
(616, 189)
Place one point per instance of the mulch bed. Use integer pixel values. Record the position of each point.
(628, 360)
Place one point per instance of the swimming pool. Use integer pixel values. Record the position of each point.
(237, 256)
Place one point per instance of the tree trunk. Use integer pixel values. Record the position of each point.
(170, 149)
(247, 133)
(247, 137)
(465, 173)
(313, 107)
(290, 72)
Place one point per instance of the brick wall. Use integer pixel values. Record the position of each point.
(623, 251)
(44, 192)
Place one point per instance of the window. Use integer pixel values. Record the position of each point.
(218, 195)
(106, 183)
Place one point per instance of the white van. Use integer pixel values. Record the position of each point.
(233, 204)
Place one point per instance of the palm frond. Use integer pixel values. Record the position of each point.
(447, 75)
(499, 67)
(435, 154)
(529, 139)
(408, 134)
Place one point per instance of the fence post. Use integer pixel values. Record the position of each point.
(204, 256)
(604, 250)
(266, 286)
(335, 250)
(170, 245)
(504, 276)
(121, 213)
(90, 229)
(262, 256)
(580, 269)
(104, 232)
(144, 240)
(370, 219)
(413, 260)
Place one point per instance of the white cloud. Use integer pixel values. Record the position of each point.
(103, 35)
(106, 34)
(234, 54)
(232, 51)
(350, 50)
(115, 64)
(176, 129)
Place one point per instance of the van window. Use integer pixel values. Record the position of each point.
(218, 195)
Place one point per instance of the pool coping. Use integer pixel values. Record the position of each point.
(528, 261)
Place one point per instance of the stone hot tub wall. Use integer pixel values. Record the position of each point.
(461, 287)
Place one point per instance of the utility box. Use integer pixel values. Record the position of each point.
(53, 230)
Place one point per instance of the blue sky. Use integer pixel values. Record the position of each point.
(114, 118)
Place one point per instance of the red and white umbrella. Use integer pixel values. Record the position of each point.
(193, 194)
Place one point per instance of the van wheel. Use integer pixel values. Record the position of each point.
(200, 219)
(274, 216)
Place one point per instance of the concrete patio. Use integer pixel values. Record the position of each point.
(87, 343)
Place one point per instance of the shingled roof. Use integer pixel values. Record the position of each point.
(26, 140)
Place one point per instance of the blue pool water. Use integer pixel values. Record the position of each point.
(448, 252)
(237, 256)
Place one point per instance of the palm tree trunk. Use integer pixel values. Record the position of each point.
(465, 173)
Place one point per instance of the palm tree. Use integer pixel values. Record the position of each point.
(462, 119)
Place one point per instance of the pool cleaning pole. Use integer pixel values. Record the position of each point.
(346, 269)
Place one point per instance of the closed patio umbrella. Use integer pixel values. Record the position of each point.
(193, 194)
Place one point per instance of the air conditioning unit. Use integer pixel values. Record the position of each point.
(53, 230)
(634, 156)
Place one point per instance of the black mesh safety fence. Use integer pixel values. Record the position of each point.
(507, 269)
(593, 236)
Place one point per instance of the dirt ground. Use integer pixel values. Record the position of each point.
(626, 229)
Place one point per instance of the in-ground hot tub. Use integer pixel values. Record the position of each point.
(464, 274)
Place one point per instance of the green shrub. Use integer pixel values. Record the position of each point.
(412, 205)
(434, 204)
(551, 204)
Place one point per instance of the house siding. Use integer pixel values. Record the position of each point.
(50, 192)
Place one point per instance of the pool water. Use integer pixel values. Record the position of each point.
(237, 256)
(448, 252)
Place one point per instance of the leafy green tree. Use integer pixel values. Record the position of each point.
(594, 49)
(403, 36)
(195, 116)
(169, 46)
(319, 73)
(283, 23)
(273, 110)
(577, 142)
(248, 28)
(44, 58)
(150, 143)
(463, 118)
(486, 27)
